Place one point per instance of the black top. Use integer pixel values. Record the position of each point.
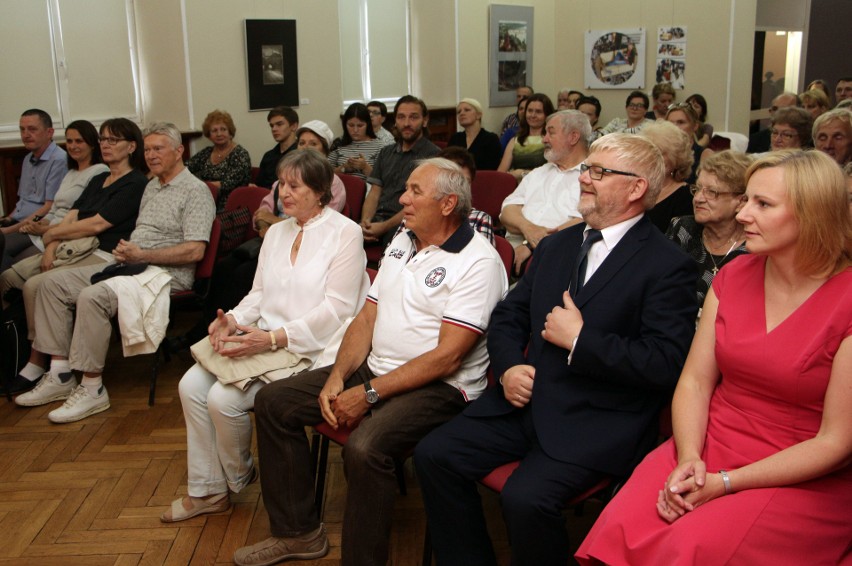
(118, 204)
(687, 233)
(486, 149)
(679, 203)
(266, 175)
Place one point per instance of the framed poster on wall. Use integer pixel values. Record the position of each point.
(271, 64)
(615, 59)
(510, 48)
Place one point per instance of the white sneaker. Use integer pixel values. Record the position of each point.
(49, 389)
(80, 405)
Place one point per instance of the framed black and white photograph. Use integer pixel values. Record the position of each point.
(509, 52)
(271, 63)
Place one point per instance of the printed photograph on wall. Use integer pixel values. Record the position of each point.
(272, 57)
(510, 52)
(671, 56)
(615, 59)
(271, 64)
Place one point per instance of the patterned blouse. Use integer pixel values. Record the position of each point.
(233, 172)
(686, 233)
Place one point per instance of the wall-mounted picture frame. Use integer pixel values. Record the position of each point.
(271, 64)
(615, 58)
(510, 49)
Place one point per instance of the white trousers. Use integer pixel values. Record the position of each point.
(218, 432)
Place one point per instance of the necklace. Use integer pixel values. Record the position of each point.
(716, 266)
(218, 155)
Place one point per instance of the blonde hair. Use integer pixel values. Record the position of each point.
(640, 157)
(674, 144)
(816, 189)
(816, 96)
(729, 167)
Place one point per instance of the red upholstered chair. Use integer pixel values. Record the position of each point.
(254, 173)
(507, 253)
(356, 190)
(248, 197)
(203, 272)
(489, 189)
(440, 143)
(214, 190)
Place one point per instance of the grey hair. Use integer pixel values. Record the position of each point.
(165, 129)
(641, 157)
(451, 181)
(842, 115)
(573, 121)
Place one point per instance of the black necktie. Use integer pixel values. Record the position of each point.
(579, 274)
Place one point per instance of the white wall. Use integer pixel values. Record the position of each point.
(186, 74)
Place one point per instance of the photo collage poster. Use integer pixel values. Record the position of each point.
(671, 56)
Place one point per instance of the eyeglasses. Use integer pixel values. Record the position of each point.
(710, 194)
(634, 106)
(375, 112)
(785, 134)
(596, 172)
(110, 140)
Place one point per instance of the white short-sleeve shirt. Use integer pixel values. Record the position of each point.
(457, 283)
(549, 197)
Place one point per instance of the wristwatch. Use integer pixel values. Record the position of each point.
(372, 394)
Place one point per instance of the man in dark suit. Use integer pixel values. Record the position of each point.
(588, 348)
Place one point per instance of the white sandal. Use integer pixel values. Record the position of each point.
(218, 503)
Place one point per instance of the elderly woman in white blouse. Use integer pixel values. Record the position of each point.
(310, 282)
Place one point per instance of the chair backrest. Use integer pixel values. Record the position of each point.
(729, 140)
(356, 190)
(214, 190)
(254, 173)
(204, 268)
(249, 197)
(507, 253)
(490, 189)
(371, 273)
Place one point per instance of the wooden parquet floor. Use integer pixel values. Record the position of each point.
(90, 493)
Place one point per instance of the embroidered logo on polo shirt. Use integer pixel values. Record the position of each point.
(435, 277)
(396, 253)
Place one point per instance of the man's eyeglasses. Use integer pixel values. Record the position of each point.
(375, 112)
(634, 106)
(710, 194)
(785, 134)
(596, 172)
(110, 140)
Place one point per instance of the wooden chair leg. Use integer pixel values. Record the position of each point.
(155, 370)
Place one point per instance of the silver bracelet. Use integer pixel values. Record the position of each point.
(726, 480)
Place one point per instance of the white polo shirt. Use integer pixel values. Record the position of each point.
(457, 283)
(549, 197)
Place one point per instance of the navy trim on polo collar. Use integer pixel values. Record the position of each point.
(460, 238)
(456, 242)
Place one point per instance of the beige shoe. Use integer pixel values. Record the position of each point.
(274, 550)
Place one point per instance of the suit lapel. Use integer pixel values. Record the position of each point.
(629, 245)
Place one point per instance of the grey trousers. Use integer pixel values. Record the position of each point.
(10, 279)
(389, 431)
(84, 343)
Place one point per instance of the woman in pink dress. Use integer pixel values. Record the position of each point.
(758, 471)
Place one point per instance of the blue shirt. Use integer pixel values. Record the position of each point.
(40, 179)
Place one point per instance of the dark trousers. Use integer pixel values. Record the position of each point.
(454, 456)
(389, 431)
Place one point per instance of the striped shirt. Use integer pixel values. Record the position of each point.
(367, 148)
